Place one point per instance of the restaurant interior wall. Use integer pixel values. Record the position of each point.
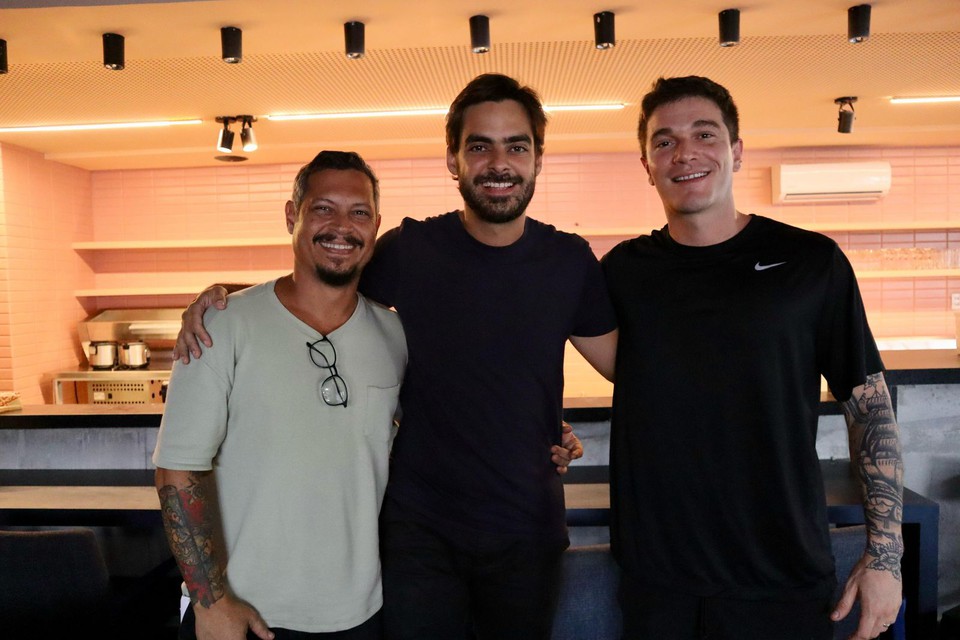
(45, 206)
(152, 238)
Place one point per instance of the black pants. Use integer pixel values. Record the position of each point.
(655, 613)
(478, 586)
(372, 629)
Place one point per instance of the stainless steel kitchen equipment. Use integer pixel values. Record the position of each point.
(102, 355)
(134, 355)
(139, 370)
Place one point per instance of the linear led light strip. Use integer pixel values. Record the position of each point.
(929, 99)
(280, 117)
(98, 126)
(423, 112)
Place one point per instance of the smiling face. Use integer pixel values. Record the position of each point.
(691, 159)
(335, 229)
(497, 164)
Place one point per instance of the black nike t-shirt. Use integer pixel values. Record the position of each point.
(715, 481)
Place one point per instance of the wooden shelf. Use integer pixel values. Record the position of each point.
(822, 227)
(125, 245)
(169, 284)
(878, 274)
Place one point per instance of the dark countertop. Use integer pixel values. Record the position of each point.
(911, 367)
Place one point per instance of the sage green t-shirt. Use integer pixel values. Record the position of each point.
(300, 482)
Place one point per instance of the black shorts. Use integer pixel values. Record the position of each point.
(656, 613)
(372, 629)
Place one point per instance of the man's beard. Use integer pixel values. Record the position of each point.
(497, 210)
(337, 278)
(332, 277)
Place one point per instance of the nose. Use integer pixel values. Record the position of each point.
(683, 151)
(498, 159)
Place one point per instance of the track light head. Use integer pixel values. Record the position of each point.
(858, 23)
(247, 137)
(353, 39)
(729, 27)
(480, 34)
(3, 56)
(845, 117)
(113, 51)
(604, 35)
(231, 44)
(225, 137)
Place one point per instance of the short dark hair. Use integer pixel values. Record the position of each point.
(667, 90)
(339, 160)
(495, 87)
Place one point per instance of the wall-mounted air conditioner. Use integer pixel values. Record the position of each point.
(831, 182)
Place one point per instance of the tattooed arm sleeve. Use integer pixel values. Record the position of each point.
(875, 454)
(190, 519)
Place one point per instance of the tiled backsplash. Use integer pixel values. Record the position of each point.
(46, 206)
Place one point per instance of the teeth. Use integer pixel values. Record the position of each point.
(690, 177)
(336, 246)
(497, 185)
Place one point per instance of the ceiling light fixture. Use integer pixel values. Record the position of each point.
(3, 56)
(231, 44)
(225, 137)
(247, 137)
(97, 126)
(438, 111)
(353, 39)
(480, 34)
(113, 51)
(858, 23)
(729, 27)
(604, 36)
(845, 117)
(925, 100)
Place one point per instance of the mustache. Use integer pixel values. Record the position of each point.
(496, 177)
(333, 237)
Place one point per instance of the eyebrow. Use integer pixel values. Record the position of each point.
(697, 124)
(475, 137)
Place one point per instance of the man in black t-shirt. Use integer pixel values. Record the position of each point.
(473, 524)
(727, 322)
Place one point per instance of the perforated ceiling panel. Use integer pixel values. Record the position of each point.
(785, 74)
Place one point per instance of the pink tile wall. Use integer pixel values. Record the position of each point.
(583, 192)
(46, 206)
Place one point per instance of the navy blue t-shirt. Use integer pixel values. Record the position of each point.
(482, 398)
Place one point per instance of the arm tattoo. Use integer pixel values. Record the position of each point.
(875, 441)
(189, 519)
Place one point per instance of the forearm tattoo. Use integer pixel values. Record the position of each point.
(875, 441)
(190, 523)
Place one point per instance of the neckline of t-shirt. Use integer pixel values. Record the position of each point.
(306, 329)
(734, 242)
(457, 222)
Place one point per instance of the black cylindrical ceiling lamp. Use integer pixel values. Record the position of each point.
(248, 139)
(225, 139)
(353, 39)
(729, 27)
(480, 34)
(113, 51)
(3, 56)
(846, 116)
(858, 23)
(604, 35)
(231, 44)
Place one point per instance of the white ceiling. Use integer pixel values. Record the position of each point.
(792, 62)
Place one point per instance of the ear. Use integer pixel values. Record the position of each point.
(290, 213)
(737, 154)
(646, 167)
(452, 164)
(538, 165)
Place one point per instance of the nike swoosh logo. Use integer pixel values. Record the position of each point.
(764, 267)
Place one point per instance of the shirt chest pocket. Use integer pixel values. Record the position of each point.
(380, 406)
